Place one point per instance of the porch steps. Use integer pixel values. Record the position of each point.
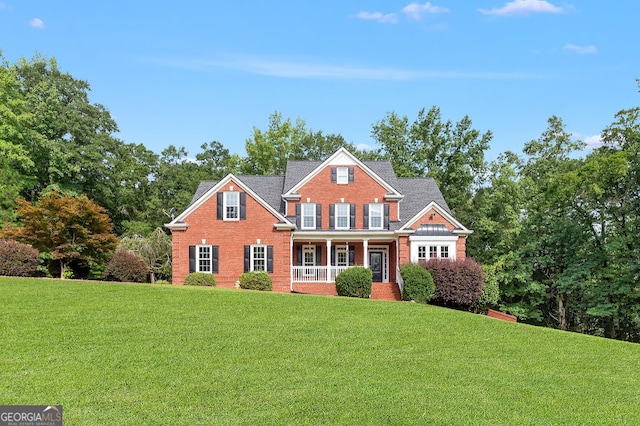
(385, 291)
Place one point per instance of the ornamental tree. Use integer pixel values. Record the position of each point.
(67, 227)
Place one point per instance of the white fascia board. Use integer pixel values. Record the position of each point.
(461, 229)
(342, 157)
(214, 189)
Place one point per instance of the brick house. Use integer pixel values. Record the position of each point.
(318, 219)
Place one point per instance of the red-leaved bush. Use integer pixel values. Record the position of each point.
(458, 283)
(17, 259)
(126, 266)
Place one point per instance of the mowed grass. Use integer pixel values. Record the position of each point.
(125, 354)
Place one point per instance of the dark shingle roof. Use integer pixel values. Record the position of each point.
(418, 192)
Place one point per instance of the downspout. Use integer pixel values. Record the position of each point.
(291, 261)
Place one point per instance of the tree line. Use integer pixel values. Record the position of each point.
(556, 227)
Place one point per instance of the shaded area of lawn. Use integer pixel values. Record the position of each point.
(142, 354)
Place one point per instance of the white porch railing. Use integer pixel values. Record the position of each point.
(312, 274)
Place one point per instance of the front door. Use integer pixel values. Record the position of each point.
(375, 264)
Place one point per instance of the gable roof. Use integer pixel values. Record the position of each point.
(416, 195)
(302, 173)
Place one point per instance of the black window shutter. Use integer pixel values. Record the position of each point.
(365, 215)
(247, 258)
(318, 216)
(214, 259)
(299, 255)
(351, 170)
(318, 255)
(243, 206)
(298, 215)
(219, 205)
(352, 255)
(333, 255)
(386, 216)
(352, 219)
(270, 259)
(192, 259)
(332, 216)
(334, 174)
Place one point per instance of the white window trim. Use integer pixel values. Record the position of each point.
(253, 257)
(342, 175)
(341, 249)
(313, 216)
(347, 206)
(371, 215)
(439, 242)
(225, 204)
(199, 258)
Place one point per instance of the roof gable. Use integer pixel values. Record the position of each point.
(266, 187)
(301, 172)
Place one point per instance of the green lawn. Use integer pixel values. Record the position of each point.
(116, 354)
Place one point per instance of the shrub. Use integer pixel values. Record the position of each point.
(200, 279)
(127, 267)
(458, 283)
(490, 291)
(18, 259)
(354, 282)
(257, 280)
(163, 282)
(417, 282)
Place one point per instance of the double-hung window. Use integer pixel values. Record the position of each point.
(342, 215)
(258, 258)
(308, 216)
(375, 216)
(422, 252)
(204, 257)
(342, 256)
(342, 175)
(231, 205)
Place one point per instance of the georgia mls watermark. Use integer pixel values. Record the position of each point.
(30, 415)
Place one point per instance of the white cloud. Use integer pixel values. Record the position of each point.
(364, 147)
(523, 7)
(583, 50)
(36, 23)
(594, 141)
(388, 18)
(307, 69)
(415, 11)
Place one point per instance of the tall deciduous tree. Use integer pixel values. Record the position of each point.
(451, 153)
(68, 228)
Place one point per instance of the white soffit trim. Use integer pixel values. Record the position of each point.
(342, 157)
(214, 189)
(461, 229)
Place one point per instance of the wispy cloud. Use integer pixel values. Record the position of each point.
(36, 23)
(385, 18)
(305, 69)
(416, 11)
(583, 50)
(524, 7)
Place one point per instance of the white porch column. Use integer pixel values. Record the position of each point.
(365, 248)
(328, 261)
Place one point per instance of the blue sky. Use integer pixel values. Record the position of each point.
(189, 72)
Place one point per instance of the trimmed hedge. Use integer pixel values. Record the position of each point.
(200, 279)
(18, 259)
(458, 283)
(127, 267)
(257, 280)
(417, 283)
(490, 291)
(354, 282)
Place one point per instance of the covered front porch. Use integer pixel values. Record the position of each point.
(316, 262)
